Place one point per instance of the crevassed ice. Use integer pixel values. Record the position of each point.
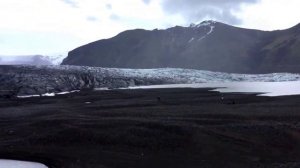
(199, 76)
(179, 75)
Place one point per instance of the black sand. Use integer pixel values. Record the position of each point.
(168, 128)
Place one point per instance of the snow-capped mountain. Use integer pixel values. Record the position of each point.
(57, 59)
(31, 60)
(208, 45)
(209, 25)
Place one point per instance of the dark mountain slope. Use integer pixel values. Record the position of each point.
(280, 51)
(208, 46)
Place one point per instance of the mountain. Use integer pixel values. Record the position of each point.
(209, 45)
(31, 60)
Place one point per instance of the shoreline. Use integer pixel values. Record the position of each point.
(270, 89)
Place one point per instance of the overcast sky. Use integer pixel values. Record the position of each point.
(57, 26)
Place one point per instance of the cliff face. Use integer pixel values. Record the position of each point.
(208, 46)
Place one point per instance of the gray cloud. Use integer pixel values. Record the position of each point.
(114, 17)
(146, 1)
(92, 18)
(197, 10)
(72, 3)
(108, 6)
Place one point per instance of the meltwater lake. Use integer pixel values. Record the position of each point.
(262, 88)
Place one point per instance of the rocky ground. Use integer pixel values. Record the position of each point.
(175, 128)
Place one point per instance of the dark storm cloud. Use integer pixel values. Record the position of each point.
(197, 10)
(72, 3)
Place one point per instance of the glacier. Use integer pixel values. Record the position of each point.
(23, 80)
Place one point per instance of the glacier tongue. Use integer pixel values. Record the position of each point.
(200, 76)
(47, 80)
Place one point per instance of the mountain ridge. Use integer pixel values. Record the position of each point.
(30, 59)
(210, 45)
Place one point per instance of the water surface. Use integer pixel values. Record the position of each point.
(263, 88)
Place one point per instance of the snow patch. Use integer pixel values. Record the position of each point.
(28, 96)
(208, 33)
(103, 88)
(211, 30)
(206, 24)
(201, 38)
(63, 93)
(202, 24)
(192, 39)
(49, 94)
(20, 164)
